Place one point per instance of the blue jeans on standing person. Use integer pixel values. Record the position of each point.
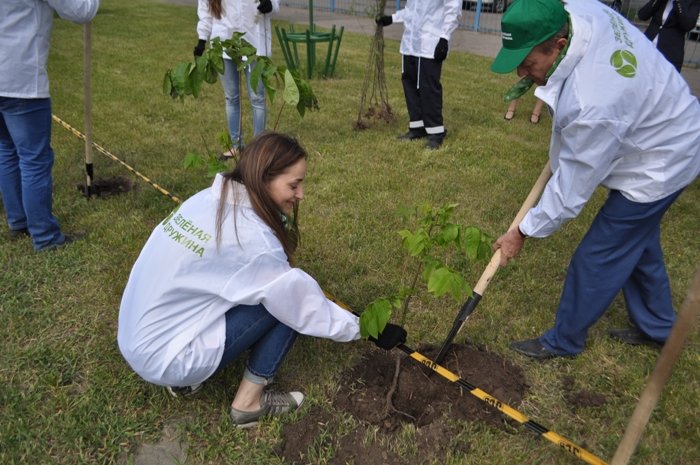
(252, 327)
(230, 81)
(26, 160)
(620, 252)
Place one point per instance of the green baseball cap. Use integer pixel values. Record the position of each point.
(524, 25)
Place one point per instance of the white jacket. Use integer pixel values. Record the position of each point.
(238, 16)
(25, 33)
(172, 327)
(638, 134)
(425, 22)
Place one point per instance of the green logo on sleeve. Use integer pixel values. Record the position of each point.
(624, 62)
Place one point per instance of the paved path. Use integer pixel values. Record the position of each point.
(482, 44)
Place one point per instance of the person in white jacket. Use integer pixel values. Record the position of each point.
(26, 156)
(623, 118)
(220, 19)
(428, 26)
(215, 279)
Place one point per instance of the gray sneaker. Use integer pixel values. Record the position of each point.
(184, 391)
(271, 404)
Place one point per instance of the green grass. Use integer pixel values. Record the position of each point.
(68, 397)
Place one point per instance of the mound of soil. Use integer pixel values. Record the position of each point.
(422, 398)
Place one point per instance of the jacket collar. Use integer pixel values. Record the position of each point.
(580, 41)
(236, 195)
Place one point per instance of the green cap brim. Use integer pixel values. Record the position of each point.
(507, 59)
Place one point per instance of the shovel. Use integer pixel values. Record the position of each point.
(491, 268)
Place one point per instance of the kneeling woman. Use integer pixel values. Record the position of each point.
(216, 278)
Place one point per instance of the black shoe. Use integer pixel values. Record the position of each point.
(18, 233)
(634, 337)
(435, 141)
(532, 348)
(68, 239)
(413, 134)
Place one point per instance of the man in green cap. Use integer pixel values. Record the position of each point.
(622, 118)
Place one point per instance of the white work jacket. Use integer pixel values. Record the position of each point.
(238, 16)
(635, 128)
(25, 33)
(425, 22)
(172, 327)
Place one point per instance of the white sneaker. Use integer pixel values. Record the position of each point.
(271, 404)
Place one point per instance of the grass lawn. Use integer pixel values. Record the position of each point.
(68, 397)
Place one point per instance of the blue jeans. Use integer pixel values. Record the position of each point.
(26, 160)
(252, 327)
(230, 81)
(620, 252)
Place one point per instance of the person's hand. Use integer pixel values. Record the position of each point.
(199, 48)
(265, 6)
(383, 20)
(510, 245)
(392, 336)
(441, 50)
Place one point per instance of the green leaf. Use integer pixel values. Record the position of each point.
(193, 160)
(471, 241)
(374, 318)
(257, 73)
(224, 138)
(180, 77)
(211, 74)
(196, 76)
(443, 281)
(484, 249)
(415, 243)
(217, 62)
(291, 91)
(448, 233)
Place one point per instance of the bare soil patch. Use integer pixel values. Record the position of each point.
(581, 398)
(423, 399)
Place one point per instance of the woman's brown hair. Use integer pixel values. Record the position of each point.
(262, 160)
(215, 8)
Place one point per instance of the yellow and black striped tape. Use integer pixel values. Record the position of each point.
(113, 157)
(533, 426)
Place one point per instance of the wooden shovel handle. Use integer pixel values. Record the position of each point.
(530, 201)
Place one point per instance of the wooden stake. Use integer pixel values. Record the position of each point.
(669, 354)
(87, 101)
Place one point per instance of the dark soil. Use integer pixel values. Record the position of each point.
(582, 398)
(105, 187)
(422, 398)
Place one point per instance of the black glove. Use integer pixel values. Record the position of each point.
(383, 20)
(441, 50)
(265, 6)
(199, 48)
(392, 336)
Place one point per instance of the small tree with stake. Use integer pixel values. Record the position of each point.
(438, 249)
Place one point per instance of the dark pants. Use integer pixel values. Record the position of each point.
(620, 252)
(421, 86)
